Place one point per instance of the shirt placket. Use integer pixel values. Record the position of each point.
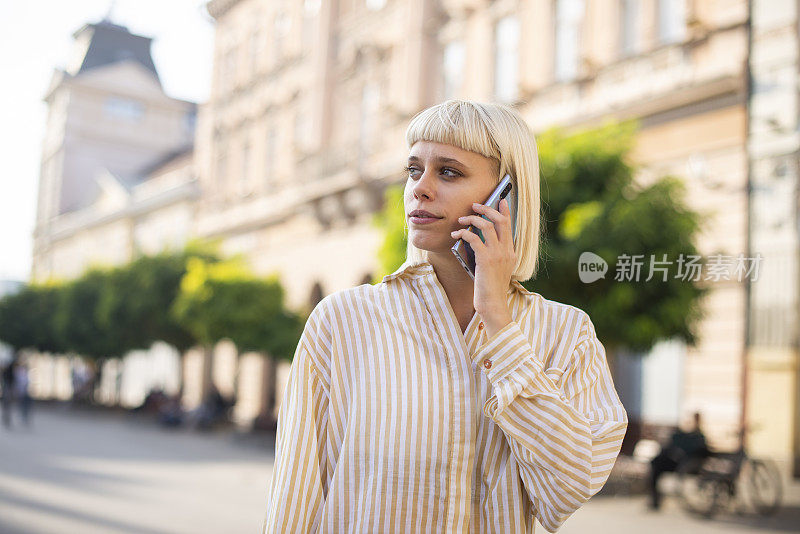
(462, 427)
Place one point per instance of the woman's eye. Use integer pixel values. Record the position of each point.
(448, 173)
(411, 170)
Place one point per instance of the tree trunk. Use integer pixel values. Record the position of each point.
(266, 420)
(236, 373)
(97, 379)
(208, 371)
(118, 382)
(634, 431)
(181, 373)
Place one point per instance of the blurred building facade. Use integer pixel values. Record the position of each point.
(309, 103)
(773, 360)
(116, 147)
(116, 179)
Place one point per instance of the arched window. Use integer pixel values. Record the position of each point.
(316, 295)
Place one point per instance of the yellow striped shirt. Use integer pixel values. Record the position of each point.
(392, 421)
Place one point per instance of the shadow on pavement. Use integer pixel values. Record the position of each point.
(787, 519)
(40, 507)
(71, 446)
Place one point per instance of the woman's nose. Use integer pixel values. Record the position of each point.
(425, 186)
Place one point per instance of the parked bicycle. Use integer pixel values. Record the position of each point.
(725, 478)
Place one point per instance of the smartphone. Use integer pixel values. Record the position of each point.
(462, 250)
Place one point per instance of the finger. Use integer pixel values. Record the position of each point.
(473, 239)
(504, 207)
(486, 227)
(501, 221)
(505, 210)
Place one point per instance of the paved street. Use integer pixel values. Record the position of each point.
(109, 473)
(89, 473)
(618, 515)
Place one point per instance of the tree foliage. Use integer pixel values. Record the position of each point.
(138, 299)
(26, 318)
(76, 318)
(224, 300)
(105, 312)
(590, 202)
(392, 222)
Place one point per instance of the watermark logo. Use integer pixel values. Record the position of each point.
(688, 268)
(591, 267)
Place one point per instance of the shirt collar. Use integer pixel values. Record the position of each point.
(408, 270)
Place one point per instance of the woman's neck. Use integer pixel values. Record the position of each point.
(457, 284)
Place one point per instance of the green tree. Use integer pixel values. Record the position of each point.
(26, 318)
(76, 317)
(592, 203)
(136, 300)
(77, 326)
(105, 313)
(225, 301)
(139, 297)
(392, 222)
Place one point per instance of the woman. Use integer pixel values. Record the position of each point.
(434, 403)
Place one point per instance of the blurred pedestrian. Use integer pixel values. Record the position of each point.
(686, 448)
(213, 410)
(7, 401)
(81, 391)
(22, 396)
(171, 413)
(443, 395)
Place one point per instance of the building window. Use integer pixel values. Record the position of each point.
(453, 68)
(310, 12)
(370, 101)
(302, 130)
(281, 26)
(569, 16)
(270, 153)
(375, 5)
(222, 168)
(256, 47)
(311, 7)
(671, 20)
(245, 168)
(228, 70)
(629, 27)
(506, 59)
(124, 108)
(317, 294)
(190, 122)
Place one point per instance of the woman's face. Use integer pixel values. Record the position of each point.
(444, 180)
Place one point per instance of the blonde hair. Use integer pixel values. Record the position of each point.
(498, 132)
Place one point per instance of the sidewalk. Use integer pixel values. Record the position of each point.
(97, 472)
(621, 508)
(629, 515)
(100, 472)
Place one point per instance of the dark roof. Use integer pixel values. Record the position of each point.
(163, 160)
(111, 43)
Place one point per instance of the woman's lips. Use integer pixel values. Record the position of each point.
(423, 220)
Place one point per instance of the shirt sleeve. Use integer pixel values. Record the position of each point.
(297, 491)
(564, 427)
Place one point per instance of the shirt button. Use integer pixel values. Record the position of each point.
(487, 364)
(480, 325)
